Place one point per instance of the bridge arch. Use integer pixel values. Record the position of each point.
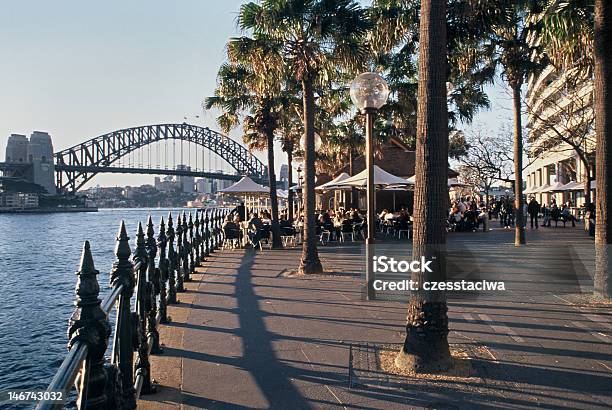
(78, 164)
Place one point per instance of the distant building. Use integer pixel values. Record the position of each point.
(18, 193)
(18, 200)
(205, 186)
(187, 183)
(284, 177)
(167, 184)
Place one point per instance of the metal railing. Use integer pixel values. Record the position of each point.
(119, 380)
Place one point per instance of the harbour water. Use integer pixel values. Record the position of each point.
(39, 255)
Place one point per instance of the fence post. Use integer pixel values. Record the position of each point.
(213, 230)
(198, 239)
(202, 238)
(217, 228)
(143, 367)
(88, 324)
(172, 262)
(125, 342)
(191, 245)
(179, 255)
(162, 242)
(152, 287)
(207, 234)
(186, 249)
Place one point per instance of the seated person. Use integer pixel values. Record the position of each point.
(230, 229)
(286, 226)
(255, 229)
(567, 215)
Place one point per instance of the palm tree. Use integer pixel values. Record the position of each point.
(312, 40)
(426, 345)
(575, 34)
(509, 24)
(236, 95)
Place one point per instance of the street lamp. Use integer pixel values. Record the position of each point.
(369, 92)
(317, 142)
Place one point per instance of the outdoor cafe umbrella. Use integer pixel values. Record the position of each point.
(248, 189)
(382, 178)
(541, 189)
(451, 182)
(556, 187)
(333, 184)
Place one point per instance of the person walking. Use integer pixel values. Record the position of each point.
(534, 210)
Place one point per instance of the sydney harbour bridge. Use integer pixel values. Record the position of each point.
(128, 151)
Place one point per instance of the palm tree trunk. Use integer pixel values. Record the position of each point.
(290, 182)
(519, 230)
(426, 345)
(603, 131)
(276, 239)
(310, 257)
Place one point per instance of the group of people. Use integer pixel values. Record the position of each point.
(504, 209)
(550, 213)
(257, 226)
(467, 215)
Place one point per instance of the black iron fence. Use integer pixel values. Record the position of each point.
(151, 276)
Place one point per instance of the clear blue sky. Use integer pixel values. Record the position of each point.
(80, 69)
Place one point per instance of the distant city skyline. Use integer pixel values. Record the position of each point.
(79, 70)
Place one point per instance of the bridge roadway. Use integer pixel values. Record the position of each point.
(155, 171)
(245, 336)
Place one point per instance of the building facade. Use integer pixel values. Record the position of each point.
(561, 128)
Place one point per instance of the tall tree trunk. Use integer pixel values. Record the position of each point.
(290, 182)
(276, 239)
(519, 230)
(426, 345)
(310, 257)
(603, 132)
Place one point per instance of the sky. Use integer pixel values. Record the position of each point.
(81, 69)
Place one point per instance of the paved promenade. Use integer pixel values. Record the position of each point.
(247, 336)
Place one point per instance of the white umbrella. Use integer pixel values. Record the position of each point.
(381, 178)
(333, 184)
(250, 190)
(451, 181)
(530, 190)
(455, 182)
(281, 193)
(543, 188)
(554, 187)
(572, 186)
(246, 186)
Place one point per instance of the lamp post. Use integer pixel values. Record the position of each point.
(369, 91)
